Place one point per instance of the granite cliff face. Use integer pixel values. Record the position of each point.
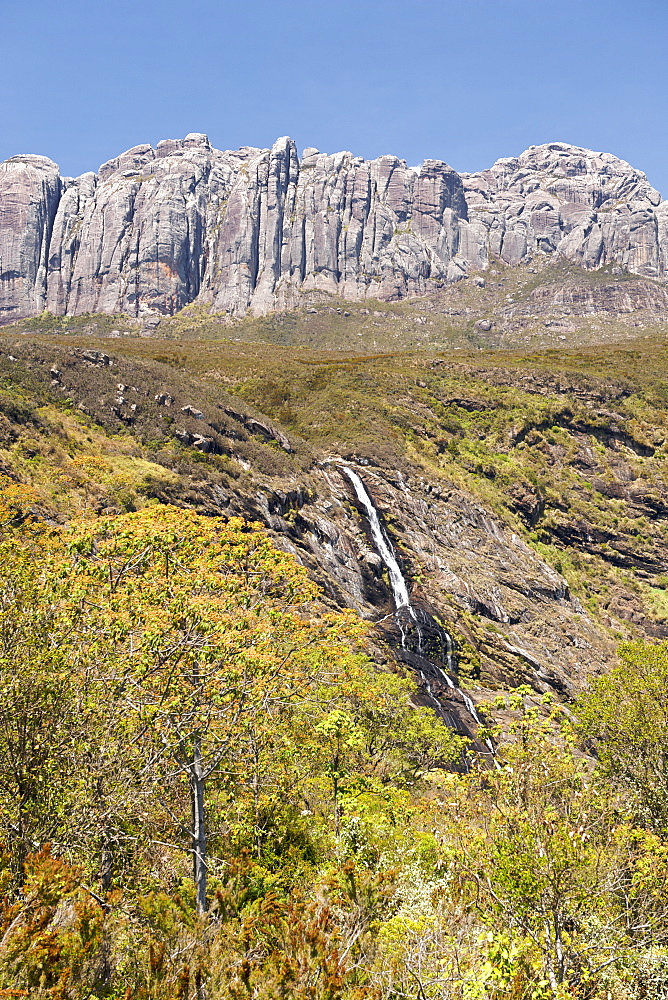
(30, 189)
(591, 208)
(157, 229)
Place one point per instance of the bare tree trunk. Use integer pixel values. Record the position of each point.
(257, 833)
(199, 829)
(335, 790)
(549, 957)
(106, 861)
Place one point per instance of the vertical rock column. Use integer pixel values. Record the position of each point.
(276, 206)
(29, 193)
(250, 252)
(65, 242)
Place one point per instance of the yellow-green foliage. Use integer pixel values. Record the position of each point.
(349, 854)
(625, 716)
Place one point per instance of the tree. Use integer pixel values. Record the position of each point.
(623, 716)
(540, 849)
(372, 738)
(37, 709)
(51, 934)
(172, 683)
(40, 713)
(205, 625)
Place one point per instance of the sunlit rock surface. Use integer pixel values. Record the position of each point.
(253, 230)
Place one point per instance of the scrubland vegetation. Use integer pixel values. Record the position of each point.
(208, 790)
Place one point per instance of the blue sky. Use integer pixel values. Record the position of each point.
(466, 81)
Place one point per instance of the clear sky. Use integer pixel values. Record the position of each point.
(466, 81)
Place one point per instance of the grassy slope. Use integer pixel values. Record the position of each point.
(568, 446)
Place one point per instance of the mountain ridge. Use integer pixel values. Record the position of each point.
(252, 231)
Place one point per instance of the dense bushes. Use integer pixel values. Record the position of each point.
(208, 791)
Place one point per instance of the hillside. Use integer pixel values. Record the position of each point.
(552, 304)
(525, 494)
(405, 759)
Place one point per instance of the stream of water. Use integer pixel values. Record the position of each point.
(383, 545)
(418, 617)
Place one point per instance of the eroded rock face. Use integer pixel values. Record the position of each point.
(158, 228)
(137, 237)
(255, 229)
(468, 561)
(335, 224)
(30, 188)
(591, 208)
(462, 564)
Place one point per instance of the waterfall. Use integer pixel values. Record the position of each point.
(383, 545)
(402, 602)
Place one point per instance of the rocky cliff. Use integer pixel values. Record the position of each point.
(256, 230)
(590, 208)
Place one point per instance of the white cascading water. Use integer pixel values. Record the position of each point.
(397, 582)
(400, 591)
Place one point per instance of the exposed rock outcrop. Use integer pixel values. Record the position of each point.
(30, 188)
(591, 208)
(158, 228)
(256, 229)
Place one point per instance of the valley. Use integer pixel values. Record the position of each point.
(525, 495)
(334, 587)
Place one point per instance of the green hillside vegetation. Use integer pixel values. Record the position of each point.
(567, 446)
(212, 785)
(209, 791)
